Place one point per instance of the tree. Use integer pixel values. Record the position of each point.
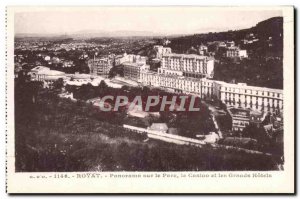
(58, 84)
(102, 88)
(257, 133)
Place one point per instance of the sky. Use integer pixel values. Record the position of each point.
(162, 20)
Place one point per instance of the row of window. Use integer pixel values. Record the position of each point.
(240, 123)
(267, 93)
(267, 106)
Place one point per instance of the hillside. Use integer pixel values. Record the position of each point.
(272, 27)
(264, 45)
(54, 135)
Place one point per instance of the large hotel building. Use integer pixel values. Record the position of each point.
(235, 95)
(188, 65)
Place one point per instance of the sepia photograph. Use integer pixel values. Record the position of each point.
(150, 89)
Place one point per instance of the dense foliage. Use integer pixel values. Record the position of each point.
(189, 123)
(254, 72)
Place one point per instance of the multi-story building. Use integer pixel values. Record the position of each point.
(132, 65)
(203, 49)
(240, 118)
(222, 44)
(187, 65)
(119, 59)
(201, 87)
(166, 42)
(242, 95)
(230, 43)
(133, 71)
(161, 51)
(236, 52)
(100, 66)
(233, 95)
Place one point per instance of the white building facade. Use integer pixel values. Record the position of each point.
(131, 58)
(256, 98)
(187, 65)
(133, 71)
(42, 73)
(235, 52)
(235, 95)
(161, 51)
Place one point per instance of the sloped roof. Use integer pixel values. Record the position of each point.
(159, 127)
(39, 68)
(51, 72)
(46, 71)
(81, 76)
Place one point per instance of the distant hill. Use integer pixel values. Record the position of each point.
(87, 34)
(123, 33)
(272, 27)
(90, 34)
(39, 37)
(265, 66)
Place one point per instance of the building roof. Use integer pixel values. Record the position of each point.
(38, 68)
(54, 73)
(239, 112)
(191, 56)
(233, 48)
(220, 83)
(119, 56)
(257, 116)
(80, 76)
(42, 70)
(156, 60)
(159, 127)
(92, 100)
(177, 77)
(244, 86)
(137, 113)
(268, 127)
(135, 64)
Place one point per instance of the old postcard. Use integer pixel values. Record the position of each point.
(162, 99)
